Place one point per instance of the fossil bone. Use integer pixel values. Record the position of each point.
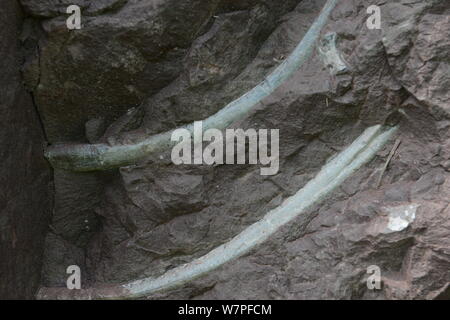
(332, 175)
(92, 157)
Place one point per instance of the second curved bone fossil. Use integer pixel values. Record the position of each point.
(331, 176)
(93, 157)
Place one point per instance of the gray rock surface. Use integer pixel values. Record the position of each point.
(25, 177)
(142, 67)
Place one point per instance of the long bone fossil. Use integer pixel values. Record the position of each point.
(92, 157)
(332, 175)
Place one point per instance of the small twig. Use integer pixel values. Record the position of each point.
(391, 154)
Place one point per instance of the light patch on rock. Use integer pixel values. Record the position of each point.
(400, 217)
(331, 56)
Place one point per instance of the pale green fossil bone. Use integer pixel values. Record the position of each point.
(92, 157)
(332, 175)
(331, 56)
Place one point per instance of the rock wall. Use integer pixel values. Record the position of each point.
(25, 177)
(124, 76)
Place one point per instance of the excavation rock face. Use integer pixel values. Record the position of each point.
(25, 177)
(139, 68)
(131, 50)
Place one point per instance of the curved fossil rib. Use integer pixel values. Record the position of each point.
(92, 157)
(333, 174)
